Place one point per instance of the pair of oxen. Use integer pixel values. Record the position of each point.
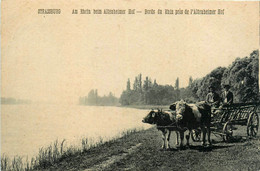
(182, 117)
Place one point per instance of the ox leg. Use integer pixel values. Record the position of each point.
(177, 137)
(163, 138)
(182, 137)
(209, 132)
(188, 138)
(168, 135)
(203, 136)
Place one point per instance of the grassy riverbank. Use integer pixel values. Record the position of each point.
(57, 151)
(141, 151)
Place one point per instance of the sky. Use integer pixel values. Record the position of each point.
(58, 58)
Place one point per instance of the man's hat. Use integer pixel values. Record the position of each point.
(226, 86)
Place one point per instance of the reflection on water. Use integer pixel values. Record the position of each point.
(26, 128)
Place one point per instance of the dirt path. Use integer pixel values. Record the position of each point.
(114, 159)
(238, 155)
(141, 151)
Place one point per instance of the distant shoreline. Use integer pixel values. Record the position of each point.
(145, 107)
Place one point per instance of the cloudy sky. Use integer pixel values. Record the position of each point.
(58, 58)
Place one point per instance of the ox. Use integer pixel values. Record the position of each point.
(165, 122)
(193, 116)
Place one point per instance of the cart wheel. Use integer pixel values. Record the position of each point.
(227, 132)
(195, 135)
(252, 125)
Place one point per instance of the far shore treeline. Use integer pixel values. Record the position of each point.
(94, 99)
(9, 100)
(241, 75)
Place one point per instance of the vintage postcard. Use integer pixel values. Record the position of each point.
(129, 85)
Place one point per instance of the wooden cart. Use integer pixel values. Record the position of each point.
(225, 118)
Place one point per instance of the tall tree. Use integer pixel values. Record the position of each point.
(140, 82)
(190, 81)
(96, 96)
(146, 87)
(150, 84)
(128, 85)
(135, 85)
(177, 84)
(177, 89)
(146, 84)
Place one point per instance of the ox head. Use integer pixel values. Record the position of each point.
(150, 117)
(179, 107)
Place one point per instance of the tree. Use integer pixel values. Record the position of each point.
(140, 83)
(94, 99)
(177, 84)
(155, 83)
(135, 85)
(146, 88)
(96, 96)
(91, 97)
(146, 84)
(125, 98)
(242, 75)
(128, 85)
(177, 89)
(190, 81)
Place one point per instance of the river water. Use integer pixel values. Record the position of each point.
(26, 128)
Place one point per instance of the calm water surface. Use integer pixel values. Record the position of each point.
(26, 128)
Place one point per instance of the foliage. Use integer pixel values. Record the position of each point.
(200, 87)
(148, 93)
(241, 75)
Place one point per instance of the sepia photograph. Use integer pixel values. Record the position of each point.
(130, 85)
